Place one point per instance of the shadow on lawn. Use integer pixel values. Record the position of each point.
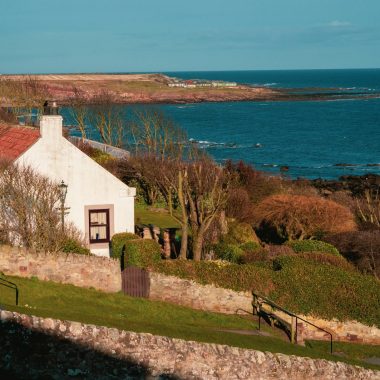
(27, 354)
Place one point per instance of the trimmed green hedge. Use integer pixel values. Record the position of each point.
(142, 253)
(250, 246)
(321, 257)
(118, 242)
(312, 246)
(229, 252)
(73, 246)
(235, 253)
(300, 285)
(326, 291)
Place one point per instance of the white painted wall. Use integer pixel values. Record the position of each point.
(88, 183)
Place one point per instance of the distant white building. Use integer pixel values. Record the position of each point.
(100, 204)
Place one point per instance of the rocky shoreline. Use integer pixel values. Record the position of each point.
(356, 185)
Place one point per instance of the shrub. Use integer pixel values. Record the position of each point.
(253, 252)
(240, 233)
(279, 250)
(250, 246)
(229, 252)
(298, 217)
(312, 246)
(302, 286)
(239, 205)
(362, 248)
(309, 287)
(255, 256)
(258, 185)
(320, 257)
(71, 245)
(118, 242)
(142, 253)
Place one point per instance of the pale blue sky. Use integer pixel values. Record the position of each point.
(173, 35)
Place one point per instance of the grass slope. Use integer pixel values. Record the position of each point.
(158, 217)
(48, 299)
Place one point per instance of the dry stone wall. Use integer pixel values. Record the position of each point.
(203, 297)
(104, 274)
(63, 349)
(348, 331)
(81, 270)
(214, 299)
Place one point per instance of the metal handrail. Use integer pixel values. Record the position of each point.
(10, 285)
(271, 303)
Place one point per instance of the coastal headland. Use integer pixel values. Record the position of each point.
(159, 88)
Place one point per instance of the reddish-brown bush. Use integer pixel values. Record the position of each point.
(258, 185)
(239, 205)
(297, 217)
(362, 248)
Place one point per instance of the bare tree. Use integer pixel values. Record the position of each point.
(368, 209)
(108, 119)
(207, 194)
(25, 95)
(193, 186)
(155, 134)
(29, 214)
(79, 110)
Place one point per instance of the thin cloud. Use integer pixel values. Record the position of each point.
(339, 24)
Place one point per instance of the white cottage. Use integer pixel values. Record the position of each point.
(100, 204)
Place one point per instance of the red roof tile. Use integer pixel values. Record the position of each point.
(15, 140)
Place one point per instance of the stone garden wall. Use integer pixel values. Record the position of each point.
(214, 299)
(203, 297)
(80, 270)
(104, 274)
(50, 348)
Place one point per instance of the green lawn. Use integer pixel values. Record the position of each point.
(157, 216)
(48, 299)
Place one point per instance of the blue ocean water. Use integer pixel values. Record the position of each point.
(312, 138)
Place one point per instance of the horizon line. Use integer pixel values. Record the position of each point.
(183, 71)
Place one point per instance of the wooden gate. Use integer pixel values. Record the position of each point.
(135, 282)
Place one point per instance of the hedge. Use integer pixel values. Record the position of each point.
(73, 246)
(118, 242)
(229, 252)
(302, 286)
(327, 291)
(312, 246)
(250, 246)
(142, 253)
(321, 257)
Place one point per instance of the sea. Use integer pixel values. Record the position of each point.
(309, 139)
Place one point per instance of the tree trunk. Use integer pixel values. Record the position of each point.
(184, 241)
(198, 244)
(167, 248)
(184, 224)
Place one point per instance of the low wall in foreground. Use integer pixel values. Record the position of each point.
(51, 348)
(80, 270)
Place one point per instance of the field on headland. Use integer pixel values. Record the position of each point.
(155, 89)
(143, 88)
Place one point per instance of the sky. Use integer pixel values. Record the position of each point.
(62, 36)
